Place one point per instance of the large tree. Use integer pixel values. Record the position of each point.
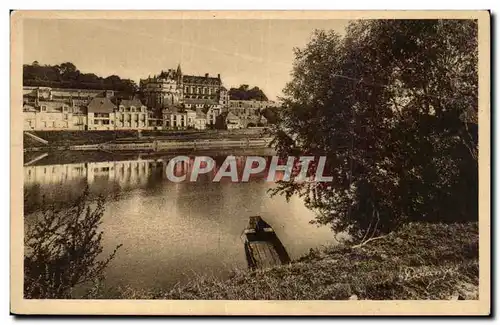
(393, 106)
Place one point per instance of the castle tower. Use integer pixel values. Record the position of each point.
(179, 71)
(180, 85)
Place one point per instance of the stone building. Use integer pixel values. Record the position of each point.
(184, 119)
(170, 92)
(250, 107)
(172, 87)
(49, 115)
(46, 108)
(202, 87)
(200, 121)
(162, 91)
(232, 121)
(131, 114)
(101, 114)
(71, 97)
(250, 111)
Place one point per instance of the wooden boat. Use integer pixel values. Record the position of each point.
(262, 246)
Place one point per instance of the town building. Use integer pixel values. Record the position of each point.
(131, 114)
(184, 119)
(71, 97)
(47, 115)
(174, 119)
(46, 108)
(200, 121)
(232, 121)
(250, 111)
(253, 121)
(101, 114)
(244, 108)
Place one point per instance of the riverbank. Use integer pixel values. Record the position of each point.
(419, 261)
(58, 139)
(147, 140)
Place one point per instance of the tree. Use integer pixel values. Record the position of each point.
(62, 250)
(271, 114)
(67, 68)
(243, 92)
(385, 104)
(66, 75)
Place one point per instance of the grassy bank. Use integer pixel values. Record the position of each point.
(419, 261)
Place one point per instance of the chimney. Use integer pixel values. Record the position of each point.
(206, 75)
(218, 76)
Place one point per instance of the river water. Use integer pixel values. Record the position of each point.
(171, 232)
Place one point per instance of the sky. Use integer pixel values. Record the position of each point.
(254, 52)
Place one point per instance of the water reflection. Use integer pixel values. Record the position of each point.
(172, 231)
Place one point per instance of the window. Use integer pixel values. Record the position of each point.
(105, 122)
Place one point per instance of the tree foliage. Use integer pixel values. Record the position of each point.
(393, 105)
(271, 114)
(66, 75)
(62, 250)
(243, 92)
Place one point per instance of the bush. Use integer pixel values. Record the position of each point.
(62, 250)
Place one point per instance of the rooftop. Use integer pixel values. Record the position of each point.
(101, 105)
(136, 102)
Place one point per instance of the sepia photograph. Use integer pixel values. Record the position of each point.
(250, 163)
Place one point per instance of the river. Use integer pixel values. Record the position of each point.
(171, 232)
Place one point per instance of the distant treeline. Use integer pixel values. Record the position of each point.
(244, 92)
(66, 75)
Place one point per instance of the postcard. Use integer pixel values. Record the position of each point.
(250, 163)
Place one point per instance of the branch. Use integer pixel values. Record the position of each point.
(367, 241)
